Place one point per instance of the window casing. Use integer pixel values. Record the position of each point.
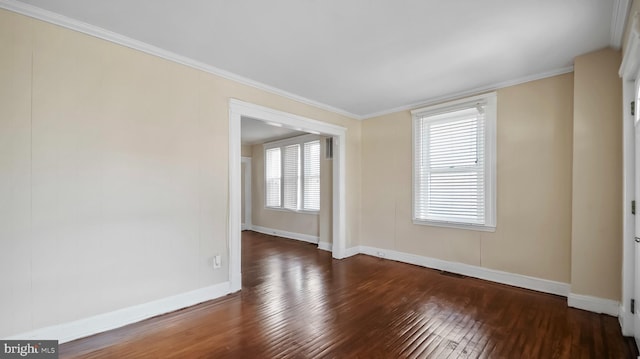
(454, 168)
(292, 174)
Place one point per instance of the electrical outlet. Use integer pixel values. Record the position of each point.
(217, 261)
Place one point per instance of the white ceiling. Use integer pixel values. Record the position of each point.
(255, 131)
(365, 57)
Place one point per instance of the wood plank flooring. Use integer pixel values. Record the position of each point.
(297, 302)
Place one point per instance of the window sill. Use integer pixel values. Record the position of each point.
(292, 211)
(471, 227)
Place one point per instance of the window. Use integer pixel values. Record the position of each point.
(454, 164)
(292, 174)
(273, 177)
(312, 176)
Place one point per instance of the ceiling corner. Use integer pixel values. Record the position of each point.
(618, 20)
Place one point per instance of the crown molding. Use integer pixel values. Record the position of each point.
(618, 20)
(95, 31)
(475, 91)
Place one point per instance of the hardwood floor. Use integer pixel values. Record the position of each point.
(297, 302)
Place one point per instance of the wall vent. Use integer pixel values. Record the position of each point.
(453, 275)
(328, 148)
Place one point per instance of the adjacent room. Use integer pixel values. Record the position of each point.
(286, 182)
(377, 179)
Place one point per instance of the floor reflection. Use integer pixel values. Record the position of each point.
(297, 302)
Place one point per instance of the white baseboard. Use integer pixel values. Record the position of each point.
(291, 235)
(245, 227)
(516, 280)
(626, 321)
(593, 304)
(350, 252)
(100, 323)
(325, 246)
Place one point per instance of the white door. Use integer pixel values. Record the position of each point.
(629, 71)
(636, 316)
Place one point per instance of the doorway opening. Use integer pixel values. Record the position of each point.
(630, 73)
(239, 109)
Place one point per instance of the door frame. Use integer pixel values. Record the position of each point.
(629, 70)
(239, 109)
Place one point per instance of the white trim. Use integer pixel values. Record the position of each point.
(234, 226)
(298, 140)
(285, 119)
(516, 280)
(628, 72)
(92, 30)
(593, 304)
(300, 211)
(618, 20)
(490, 102)
(471, 92)
(103, 322)
(451, 105)
(95, 31)
(491, 117)
(630, 59)
(285, 234)
(339, 200)
(247, 194)
(237, 109)
(350, 252)
(466, 226)
(628, 195)
(626, 321)
(325, 246)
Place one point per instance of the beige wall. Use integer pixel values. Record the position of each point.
(16, 245)
(284, 220)
(122, 210)
(243, 170)
(533, 235)
(114, 178)
(114, 174)
(597, 176)
(246, 150)
(325, 225)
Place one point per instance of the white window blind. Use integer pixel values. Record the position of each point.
(311, 185)
(273, 173)
(453, 174)
(291, 176)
